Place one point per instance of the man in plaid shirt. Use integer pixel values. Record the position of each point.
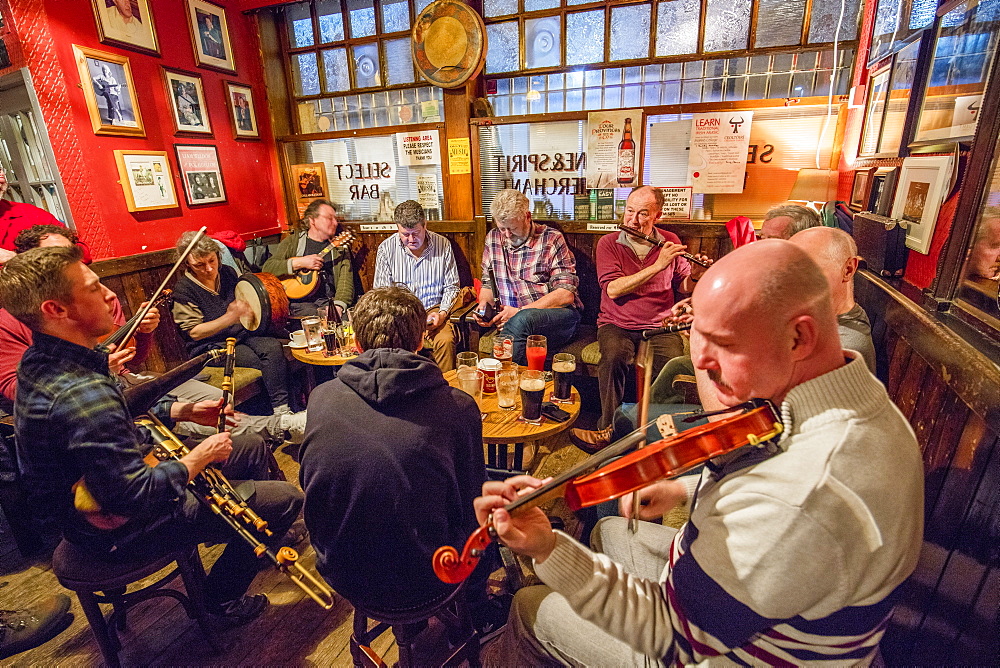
(535, 274)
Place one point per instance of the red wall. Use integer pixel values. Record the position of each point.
(49, 28)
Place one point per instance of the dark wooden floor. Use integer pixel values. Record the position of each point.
(294, 631)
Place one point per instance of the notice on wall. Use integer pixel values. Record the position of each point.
(613, 141)
(719, 144)
(418, 148)
(427, 191)
(677, 203)
(459, 156)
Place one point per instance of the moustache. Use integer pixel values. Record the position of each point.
(716, 377)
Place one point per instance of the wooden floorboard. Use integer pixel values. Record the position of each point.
(294, 631)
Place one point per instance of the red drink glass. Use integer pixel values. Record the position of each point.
(535, 352)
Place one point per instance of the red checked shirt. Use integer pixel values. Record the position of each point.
(532, 270)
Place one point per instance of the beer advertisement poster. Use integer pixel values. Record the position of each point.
(719, 144)
(613, 141)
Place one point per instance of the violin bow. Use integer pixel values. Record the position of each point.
(646, 353)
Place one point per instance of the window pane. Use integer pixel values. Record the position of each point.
(629, 27)
(541, 42)
(331, 21)
(532, 5)
(298, 17)
(366, 67)
(335, 69)
(727, 24)
(585, 37)
(677, 27)
(395, 15)
(899, 98)
(504, 52)
(981, 275)
(398, 61)
(362, 13)
(420, 5)
(499, 7)
(826, 13)
(305, 73)
(779, 22)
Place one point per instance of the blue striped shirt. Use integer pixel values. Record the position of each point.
(432, 277)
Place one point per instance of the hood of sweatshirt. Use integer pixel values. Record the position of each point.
(387, 375)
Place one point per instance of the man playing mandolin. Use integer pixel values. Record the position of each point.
(794, 551)
(308, 254)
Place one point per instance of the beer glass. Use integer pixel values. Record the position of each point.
(563, 367)
(470, 380)
(468, 359)
(507, 383)
(330, 340)
(532, 389)
(323, 313)
(314, 335)
(535, 352)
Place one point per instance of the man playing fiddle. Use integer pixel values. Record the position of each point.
(639, 282)
(795, 549)
(424, 262)
(304, 250)
(72, 418)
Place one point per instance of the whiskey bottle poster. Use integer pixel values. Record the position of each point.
(614, 140)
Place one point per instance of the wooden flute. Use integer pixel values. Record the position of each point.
(656, 241)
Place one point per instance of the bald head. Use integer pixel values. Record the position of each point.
(836, 254)
(764, 322)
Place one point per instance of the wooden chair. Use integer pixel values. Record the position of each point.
(96, 582)
(453, 613)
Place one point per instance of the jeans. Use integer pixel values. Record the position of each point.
(557, 325)
(618, 350)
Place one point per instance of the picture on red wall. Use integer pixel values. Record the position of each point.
(241, 111)
(201, 174)
(187, 101)
(127, 23)
(210, 36)
(146, 180)
(109, 92)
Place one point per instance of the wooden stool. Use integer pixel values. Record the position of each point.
(452, 612)
(81, 573)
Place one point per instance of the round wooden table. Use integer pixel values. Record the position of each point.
(502, 428)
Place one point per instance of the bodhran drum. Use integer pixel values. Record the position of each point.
(268, 303)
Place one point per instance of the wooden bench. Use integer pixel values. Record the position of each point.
(247, 382)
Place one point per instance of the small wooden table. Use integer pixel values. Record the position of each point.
(502, 428)
(312, 359)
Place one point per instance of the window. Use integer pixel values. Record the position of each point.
(978, 288)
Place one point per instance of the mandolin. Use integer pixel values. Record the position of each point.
(304, 281)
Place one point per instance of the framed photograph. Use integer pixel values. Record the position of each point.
(126, 23)
(201, 174)
(145, 178)
(881, 190)
(110, 94)
(210, 36)
(859, 191)
(239, 99)
(187, 101)
(923, 185)
(310, 183)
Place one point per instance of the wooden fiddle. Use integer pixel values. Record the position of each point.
(117, 337)
(583, 486)
(656, 241)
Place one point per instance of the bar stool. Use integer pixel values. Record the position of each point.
(452, 612)
(79, 572)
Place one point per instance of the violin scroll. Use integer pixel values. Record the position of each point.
(453, 568)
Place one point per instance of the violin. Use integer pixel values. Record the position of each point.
(118, 336)
(590, 483)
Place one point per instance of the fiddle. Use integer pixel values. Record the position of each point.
(117, 337)
(590, 483)
(658, 242)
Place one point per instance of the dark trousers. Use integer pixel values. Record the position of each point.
(618, 350)
(278, 503)
(265, 353)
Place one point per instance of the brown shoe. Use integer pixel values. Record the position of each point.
(591, 441)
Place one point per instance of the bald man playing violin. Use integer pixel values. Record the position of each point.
(795, 549)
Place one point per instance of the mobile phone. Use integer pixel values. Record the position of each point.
(553, 412)
(487, 313)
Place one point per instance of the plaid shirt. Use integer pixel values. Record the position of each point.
(532, 270)
(72, 420)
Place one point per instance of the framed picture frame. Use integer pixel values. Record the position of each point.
(923, 184)
(210, 36)
(309, 181)
(187, 101)
(881, 190)
(859, 189)
(126, 23)
(201, 174)
(109, 92)
(239, 99)
(146, 180)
